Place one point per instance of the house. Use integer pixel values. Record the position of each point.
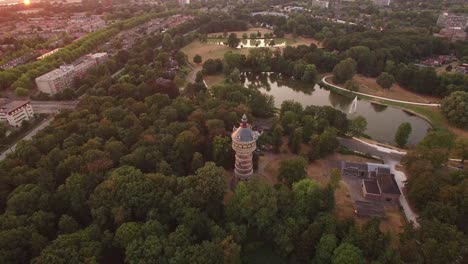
(378, 184)
(354, 169)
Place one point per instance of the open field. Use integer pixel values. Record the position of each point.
(211, 50)
(370, 86)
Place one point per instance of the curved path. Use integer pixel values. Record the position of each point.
(374, 96)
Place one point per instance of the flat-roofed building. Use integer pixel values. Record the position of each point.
(15, 112)
(56, 80)
(320, 3)
(80, 69)
(100, 57)
(382, 2)
(62, 78)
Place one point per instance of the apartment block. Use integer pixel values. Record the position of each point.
(15, 112)
(62, 78)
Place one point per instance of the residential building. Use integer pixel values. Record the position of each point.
(322, 4)
(454, 26)
(56, 80)
(183, 2)
(62, 78)
(382, 2)
(15, 112)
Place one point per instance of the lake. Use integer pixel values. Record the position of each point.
(382, 120)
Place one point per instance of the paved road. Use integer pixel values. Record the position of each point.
(50, 107)
(31, 134)
(324, 79)
(390, 157)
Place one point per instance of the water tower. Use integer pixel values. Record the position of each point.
(244, 143)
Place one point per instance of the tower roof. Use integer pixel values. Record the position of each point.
(244, 132)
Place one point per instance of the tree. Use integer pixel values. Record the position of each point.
(82, 246)
(307, 196)
(310, 74)
(3, 130)
(235, 75)
(385, 80)
(328, 142)
(292, 170)
(197, 59)
(67, 225)
(167, 42)
(357, 126)
(295, 140)
(21, 91)
(179, 41)
(352, 85)
(347, 253)
(199, 77)
(245, 35)
(233, 41)
(325, 248)
(344, 70)
(402, 134)
(455, 108)
(254, 204)
(276, 139)
(461, 149)
(222, 151)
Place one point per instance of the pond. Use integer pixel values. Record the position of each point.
(254, 43)
(382, 120)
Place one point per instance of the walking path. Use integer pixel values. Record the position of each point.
(324, 79)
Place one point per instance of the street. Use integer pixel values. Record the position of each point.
(51, 107)
(32, 133)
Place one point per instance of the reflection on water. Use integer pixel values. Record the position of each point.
(257, 43)
(382, 121)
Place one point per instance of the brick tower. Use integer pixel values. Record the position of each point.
(244, 144)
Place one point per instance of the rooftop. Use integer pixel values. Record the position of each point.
(356, 166)
(369, 209)
(13, 105)
(388, 184)
(383, 170)
(56, 73)
(371, 187)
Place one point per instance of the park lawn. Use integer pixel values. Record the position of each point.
(207, 51)
(370, 86)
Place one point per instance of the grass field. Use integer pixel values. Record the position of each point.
(370, 86)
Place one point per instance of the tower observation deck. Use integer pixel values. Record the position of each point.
(244, 143)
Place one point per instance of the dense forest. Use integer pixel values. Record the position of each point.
(139, 173)
(135, 174)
